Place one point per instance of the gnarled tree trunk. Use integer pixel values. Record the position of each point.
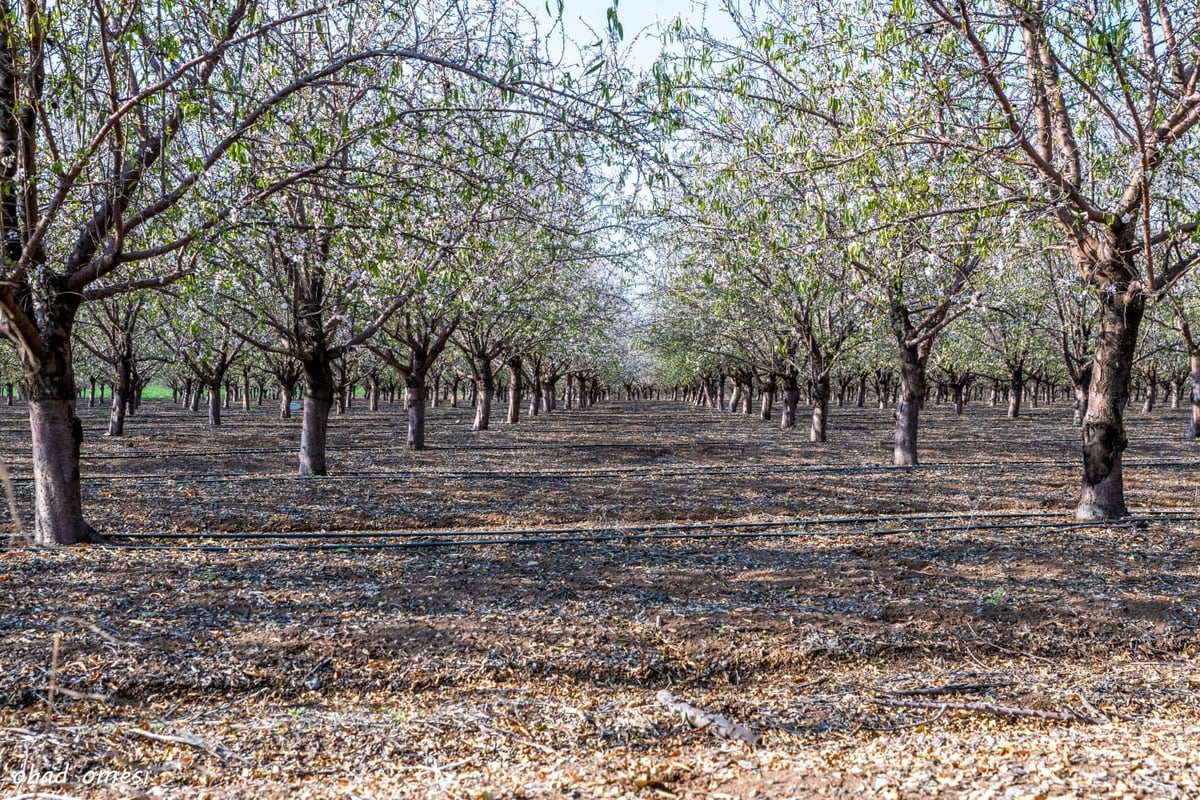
(1102, 495)
(913, 389)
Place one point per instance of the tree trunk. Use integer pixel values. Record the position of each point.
(791, 400)
(58, 503)
(820, 411)
(318, 400)
(960, 396)
(120, 402)
(1194, 425)
(214, 404)
(1102, 495)
(285, 401)
(1151, 391)
(1016, 381)
(768, 398)
(485, 389)
(912, 397)
(516, 376)
(414, 408)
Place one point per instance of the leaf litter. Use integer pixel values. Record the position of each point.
(874, 659)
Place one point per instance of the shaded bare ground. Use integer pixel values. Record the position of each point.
(530, 670)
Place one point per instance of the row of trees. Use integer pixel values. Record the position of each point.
(326, 179)
(1009, 178)
(303, 180)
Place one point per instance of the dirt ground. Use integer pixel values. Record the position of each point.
(493, 617)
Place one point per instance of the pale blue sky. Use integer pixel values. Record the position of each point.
(640, 19)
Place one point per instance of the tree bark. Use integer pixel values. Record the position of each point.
(318, 400)
(485, 391)
(912, 397)
(121, 395)
(214, 405)
(1016, 383)
(768, 398)
(1194, 426)
(285, 402)
(414, 409)
(820, 411)
(1102, 495)
(58, 504)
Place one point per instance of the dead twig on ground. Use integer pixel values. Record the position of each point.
(189, 739)
(699, 718)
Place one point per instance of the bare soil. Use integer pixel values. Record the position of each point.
(888, 632)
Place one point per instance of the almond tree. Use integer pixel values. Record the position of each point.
(412, 342)
(112, 330)
(206, 348)
(115, 121)
(1089, 113)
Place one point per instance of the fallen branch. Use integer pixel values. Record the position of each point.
(699, 718)
(189, 739)
(989, 708)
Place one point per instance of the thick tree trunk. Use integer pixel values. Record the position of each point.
(768, 398)
(214, 404)
(820, 411)
(414, 409)
(912, 397)
(535, 398)
(58, 502)
(318, 400)
(516, 376)
(483, 408)
(791, 399)
(485, 390)
(285, 401)
(1016, 383)
(1102, 495)
(735, 398)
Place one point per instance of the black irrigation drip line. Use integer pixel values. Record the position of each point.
(686, 526)
(155, 479)
(647, 534)
(961, 520)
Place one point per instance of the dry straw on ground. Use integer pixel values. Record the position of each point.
(957, 655)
